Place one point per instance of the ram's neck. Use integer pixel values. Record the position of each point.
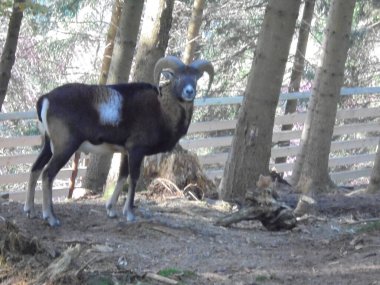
(177, 113)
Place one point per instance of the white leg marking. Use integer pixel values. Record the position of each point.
(47, 203)
(128, 213)
(29, 203)
(111, 203)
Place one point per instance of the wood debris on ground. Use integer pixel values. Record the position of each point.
(261, 203)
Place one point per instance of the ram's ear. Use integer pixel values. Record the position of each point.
(168, 74)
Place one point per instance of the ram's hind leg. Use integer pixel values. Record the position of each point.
(42, 159)
(61, 156)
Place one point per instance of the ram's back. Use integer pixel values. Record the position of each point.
(122, 115)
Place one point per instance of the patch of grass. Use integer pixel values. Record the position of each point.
(262, 278)
(168, 272)
(265, 278)
(369, 227)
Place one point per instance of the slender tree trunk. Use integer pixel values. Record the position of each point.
(298, 66)
(152, 46)
(126, 41)
(8, 56)
(374, 182)
(110, 42)
(98, 166)
(314, 176)
(154, 38)
(300, 158)
(295, 81)
(251, 146)
(97, 172)
(188, 167)
(119, 69)
(193, 31)
(191, 44)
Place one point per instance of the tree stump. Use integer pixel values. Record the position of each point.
(182, 168)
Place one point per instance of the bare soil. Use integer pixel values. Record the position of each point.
(338, 245)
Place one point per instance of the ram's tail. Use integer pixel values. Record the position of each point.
(42, 108)
(39, 108)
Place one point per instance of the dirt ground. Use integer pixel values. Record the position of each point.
(177, 238)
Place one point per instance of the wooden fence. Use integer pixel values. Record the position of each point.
(361, 125)
(356, 132)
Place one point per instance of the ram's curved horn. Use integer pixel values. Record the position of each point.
(168, 62)
(204, 66)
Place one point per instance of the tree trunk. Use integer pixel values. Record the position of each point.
(154, 38)
(298, 66)
(179, 166)
(97, 169)
(111, 34)
(97, 172)
(251, 145)
(374, 182)
(193, 31)
(314, 176)
(8, 56)
(300, 158)
(153, 42)
(119, 69)
(125, 42)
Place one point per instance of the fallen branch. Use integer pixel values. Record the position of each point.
(307, 217)
(165, 230)
(60, 265)
(244, 214)
(75, 241)
(166, 182)
(160, 278)
(370, 220)
(187, 190)
(80, 270)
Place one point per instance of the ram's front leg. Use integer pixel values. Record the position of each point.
(135, 158)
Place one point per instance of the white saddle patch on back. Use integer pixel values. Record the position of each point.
(110, 110)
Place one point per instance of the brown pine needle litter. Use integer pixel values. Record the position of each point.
(162, 188)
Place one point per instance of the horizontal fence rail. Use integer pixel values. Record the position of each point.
(362, 125)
